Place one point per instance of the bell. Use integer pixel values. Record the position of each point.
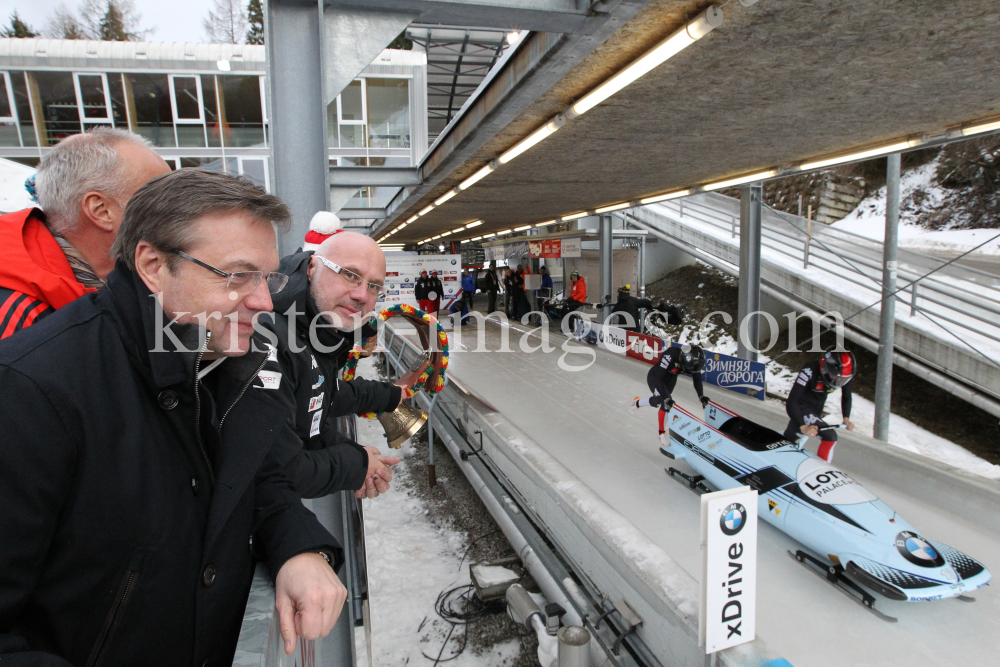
(401, 423)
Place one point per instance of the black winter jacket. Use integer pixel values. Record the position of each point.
(809, 392)
(630, 305)
(133, 495)
(308, 381)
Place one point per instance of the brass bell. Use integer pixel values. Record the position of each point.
(401, 423)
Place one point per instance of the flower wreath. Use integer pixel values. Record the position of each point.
(413, 314)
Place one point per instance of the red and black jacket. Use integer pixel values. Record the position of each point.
(35, 276)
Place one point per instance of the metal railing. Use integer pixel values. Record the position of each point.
(961, 296)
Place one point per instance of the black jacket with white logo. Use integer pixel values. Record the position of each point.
(134, 495)
(305, 373)
(809, 392)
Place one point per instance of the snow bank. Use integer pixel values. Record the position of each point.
(411, 561)
(868, 219)
(13, 196)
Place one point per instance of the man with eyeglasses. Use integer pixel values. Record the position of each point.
(137, 477)
(327, 306)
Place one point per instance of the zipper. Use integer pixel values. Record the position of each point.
(242, 391)
(197, 416)
(114, 620)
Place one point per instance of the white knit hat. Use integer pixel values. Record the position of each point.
(322, 226)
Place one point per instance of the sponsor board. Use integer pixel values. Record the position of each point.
(612, 339)
(727, 614)
(403, 272)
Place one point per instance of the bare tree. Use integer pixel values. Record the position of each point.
(64, 25)
(226, 22)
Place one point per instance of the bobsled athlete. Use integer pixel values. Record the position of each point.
(808, 396)
(662, 378)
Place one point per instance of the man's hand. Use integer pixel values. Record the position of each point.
(809, 430)
(309, 597)
(379, 474)
(849, 424)
(704, 401)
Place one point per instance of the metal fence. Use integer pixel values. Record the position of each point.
(965, 298)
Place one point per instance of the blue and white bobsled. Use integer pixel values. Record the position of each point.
(821, 507)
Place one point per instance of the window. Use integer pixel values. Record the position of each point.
(240, 110)
(255, 169)
(54, 99)
(351, 115)
(187, 107)
(153, 116)
(210, 109)
(93, 101)
(116, 94)
(22, 104)
(9, 133)
(388, 113)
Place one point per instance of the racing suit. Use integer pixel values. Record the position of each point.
(805, 407)
(662, 378)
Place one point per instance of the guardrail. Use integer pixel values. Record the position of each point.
(956, 294)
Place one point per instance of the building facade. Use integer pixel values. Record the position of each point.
(201, 105)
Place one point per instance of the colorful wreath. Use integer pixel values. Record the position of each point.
(436, 372)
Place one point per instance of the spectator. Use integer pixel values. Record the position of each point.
(508, 292)
(492, 288)
(468, 290)
(546, 282)
(435, 290)
(131, 517)
(628, 306)
(578, 291)
(521, 305)
(420, 290)
(50, 259)
(337, 287)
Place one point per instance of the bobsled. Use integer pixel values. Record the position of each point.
(854, 538)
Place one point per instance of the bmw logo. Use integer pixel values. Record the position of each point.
(454, 261)
(917, 550)
(600, 336)
(734, 517)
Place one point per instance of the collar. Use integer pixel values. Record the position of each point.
(82, 270)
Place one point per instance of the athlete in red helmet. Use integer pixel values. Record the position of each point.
(808, 396)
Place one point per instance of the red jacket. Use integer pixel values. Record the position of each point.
(579, 290)
(35, 276)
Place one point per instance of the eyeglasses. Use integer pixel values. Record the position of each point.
(242, 281)
(351, 277)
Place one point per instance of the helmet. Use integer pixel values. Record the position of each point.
(625, 289)
(692, 358)
(837, 368)
(575, 274)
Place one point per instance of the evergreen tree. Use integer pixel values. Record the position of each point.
(255, 17)
(18, 28)
(64, 25)
(111, 20)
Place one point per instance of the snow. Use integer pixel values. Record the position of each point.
(902, 432)
(411, 561)
(13, 196)
(494, 575)
(868, 219)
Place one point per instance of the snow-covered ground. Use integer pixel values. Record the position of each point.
(902, 432)
(13, 196)
(868, 219)
(411, 561)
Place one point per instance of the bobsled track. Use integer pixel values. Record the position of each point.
(581, 419)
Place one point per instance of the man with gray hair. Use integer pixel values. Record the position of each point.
(49, 259)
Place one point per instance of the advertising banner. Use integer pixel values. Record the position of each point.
(610, 338)
(570, 247)
(401, 273)
(727, 614)
(732, 373)
(550, 248)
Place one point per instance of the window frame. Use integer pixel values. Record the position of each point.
(109, 118)
(200, 103)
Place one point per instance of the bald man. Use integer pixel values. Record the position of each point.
(329, 301)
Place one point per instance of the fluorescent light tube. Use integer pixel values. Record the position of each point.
(892, 148)
(669, 195)
(478, 176)
(457, 230)
(506, 231)
(982, 127)
(708, 20)
(474, 223)
(427, 240)
(614, 207)
(760, 175)
(476, 238)
(547, 223)
(427, 210)
(445, 197)
(521, 229)
(413, 218)
(545, 130)
(574, 216)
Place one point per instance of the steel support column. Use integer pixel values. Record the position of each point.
(297, 117)
(748, 338)
(606, 266)
(887, 320)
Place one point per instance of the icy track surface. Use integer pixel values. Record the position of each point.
(582, 419)
(410, 561)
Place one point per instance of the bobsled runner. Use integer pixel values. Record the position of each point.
(858, 538)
